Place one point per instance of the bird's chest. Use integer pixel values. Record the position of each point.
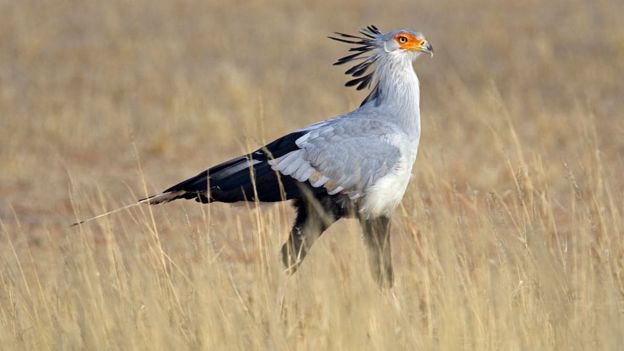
(385, 195)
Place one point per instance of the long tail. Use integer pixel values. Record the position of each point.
(109, 213)
(245, 178)
(152, 200)
(232, 181)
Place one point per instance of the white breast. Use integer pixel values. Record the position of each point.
(386, 194)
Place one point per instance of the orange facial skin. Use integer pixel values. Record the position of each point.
(409, 42)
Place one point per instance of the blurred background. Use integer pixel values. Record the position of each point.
(189, 83)
(103, 101)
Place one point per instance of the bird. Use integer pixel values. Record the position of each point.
(355, 165)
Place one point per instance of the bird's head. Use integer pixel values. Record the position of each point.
(406, 42)
(372, 46)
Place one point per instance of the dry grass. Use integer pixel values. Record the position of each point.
(510, 236)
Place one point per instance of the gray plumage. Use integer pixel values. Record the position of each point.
(348, 154)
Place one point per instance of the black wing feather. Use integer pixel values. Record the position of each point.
(245, 178)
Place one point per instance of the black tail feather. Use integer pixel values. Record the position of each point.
(245, 178)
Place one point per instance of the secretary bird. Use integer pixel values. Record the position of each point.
(354, 165)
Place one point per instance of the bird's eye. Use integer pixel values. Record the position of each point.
(402, 39)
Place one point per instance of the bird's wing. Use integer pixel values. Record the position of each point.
(347, 155)
(341, 155)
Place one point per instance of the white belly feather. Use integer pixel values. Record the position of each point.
(386, 194)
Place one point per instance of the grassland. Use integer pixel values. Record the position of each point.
(509, 237)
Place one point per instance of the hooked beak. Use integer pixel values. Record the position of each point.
(426, 48)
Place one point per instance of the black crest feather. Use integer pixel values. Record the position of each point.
(364, 44)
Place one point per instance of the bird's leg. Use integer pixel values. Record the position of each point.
(377, 239)
(313, 217)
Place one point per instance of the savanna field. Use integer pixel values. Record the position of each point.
(510, 236)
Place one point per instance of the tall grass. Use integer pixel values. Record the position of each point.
(509, 237)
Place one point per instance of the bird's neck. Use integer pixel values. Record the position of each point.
(399, 93)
